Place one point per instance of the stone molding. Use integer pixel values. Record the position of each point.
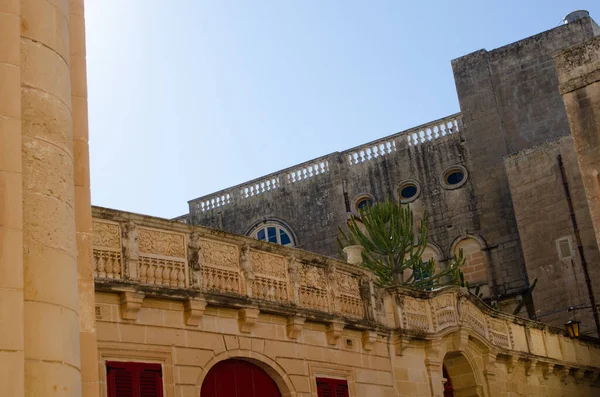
(130, 303)
(193, 310)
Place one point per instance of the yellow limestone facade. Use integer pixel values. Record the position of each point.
(82, 286)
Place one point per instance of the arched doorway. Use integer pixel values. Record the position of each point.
(238, 378)
(460, 377)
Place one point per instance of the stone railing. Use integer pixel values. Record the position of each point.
(320, 166)
(256, 187)
(146, 251)
(415, 136)
(139, 256)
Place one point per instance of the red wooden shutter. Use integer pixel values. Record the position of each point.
(133, 379)
(327, 387)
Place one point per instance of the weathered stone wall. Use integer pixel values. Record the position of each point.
(545, 227)
(509, 101)
(395, 343)
(579, 74)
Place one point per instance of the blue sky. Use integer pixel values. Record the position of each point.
(187, 97)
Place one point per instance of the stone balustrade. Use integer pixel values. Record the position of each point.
(135, 250)
(317, 167)
(138, 256)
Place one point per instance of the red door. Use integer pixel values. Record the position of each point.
(238, 378)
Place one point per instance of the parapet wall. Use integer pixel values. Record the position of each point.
(139, 257)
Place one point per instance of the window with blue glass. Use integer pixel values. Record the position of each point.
(273, 233)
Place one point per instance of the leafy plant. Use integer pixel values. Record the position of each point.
(393, 250)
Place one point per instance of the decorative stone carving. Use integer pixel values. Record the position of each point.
(368, 340)
(162, 272)
(220, 266)
(548, 370)
(530, 367)
(106, 235)
(347, 293)
(294, 326)
(445, 316)
(107, 250)
(579, 374)
(130, 304)
(499, 333)
(563, 375)
(312, 277)
(268, 264)
(415, 314)
(475, 319)
(193, 310)
(194, 261)
(215, 253)
(511, 364)
(162, 243)
(270, 276)
(334, 331)
(247, 318)
(347, 283)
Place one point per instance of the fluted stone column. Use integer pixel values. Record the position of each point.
(11, 220)
(51, 301)
(83, 209)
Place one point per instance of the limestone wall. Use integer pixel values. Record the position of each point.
(188, 297)
(546, 230)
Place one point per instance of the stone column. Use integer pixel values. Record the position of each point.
(51, 301)
(83, 208)
(11, 219)
(579, 82)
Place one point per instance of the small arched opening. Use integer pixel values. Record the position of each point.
(459, 377)
(241, 378)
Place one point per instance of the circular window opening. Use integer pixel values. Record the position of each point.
(409, 191)
(364, 203)
(454, 177)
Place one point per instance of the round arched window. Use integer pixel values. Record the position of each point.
(273, 233)
(408, 191)
(454, 177)
(364, 203)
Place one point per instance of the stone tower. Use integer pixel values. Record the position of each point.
(47, 321)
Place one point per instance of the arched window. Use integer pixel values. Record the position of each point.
(273, 232)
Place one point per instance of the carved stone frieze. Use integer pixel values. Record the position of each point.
(499, 333)
(312, 276)
(157, 242)
(444, 308)
(268, 264)
(106, 235)
(347, 283)
(217, 254)
(415, 314)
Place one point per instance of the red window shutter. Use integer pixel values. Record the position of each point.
(327, 387)
(126, 379)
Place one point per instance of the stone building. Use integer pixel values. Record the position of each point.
(99, 302)
(489, 178)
